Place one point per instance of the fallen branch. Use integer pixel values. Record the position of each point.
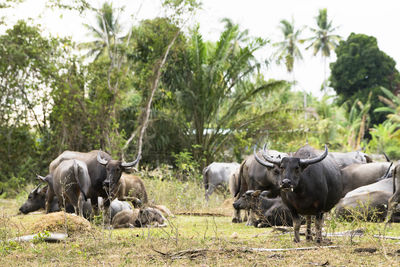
(387, 237)
(287, 249)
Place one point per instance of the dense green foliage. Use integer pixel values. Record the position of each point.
(212, 101)
(361, 67)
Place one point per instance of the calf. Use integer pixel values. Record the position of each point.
(131, 187)
(117, 206)
(217, 174)
(138, 218)
(70, 182)
(270, 211)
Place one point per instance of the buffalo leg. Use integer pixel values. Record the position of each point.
(296, 226)
(209, 191)
(236, 216)
(251, 220)
(393, 202)
(308, 231)
(319, 221)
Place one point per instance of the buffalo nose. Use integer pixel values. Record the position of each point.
(285, 183)
(106, 183)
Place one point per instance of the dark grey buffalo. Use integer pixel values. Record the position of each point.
(310, 185)
(70, 182)
(37, 200)
(104, 172)
(344, 159)
(254, 176)
(269, 211)
(357, 175)
(217, 174)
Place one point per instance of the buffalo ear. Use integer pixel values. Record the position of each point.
(256, 193)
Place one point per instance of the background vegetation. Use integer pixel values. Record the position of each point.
(161, 89)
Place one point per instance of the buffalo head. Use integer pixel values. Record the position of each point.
(114, 169)
(36, 200)
(291, 167)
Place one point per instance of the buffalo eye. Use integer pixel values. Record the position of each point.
(276, 171)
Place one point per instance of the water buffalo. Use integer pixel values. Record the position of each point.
(117, 206)
(104, 172)
(270, 211)
(344, 159)
(217, 174)
(357, 175)
(367, 202)
(138, 218)
(37, 200)
(131, 188)
(310, 185)
(70, 182)
(254, 176)
(394, 199)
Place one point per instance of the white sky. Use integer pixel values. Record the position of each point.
(377, 18)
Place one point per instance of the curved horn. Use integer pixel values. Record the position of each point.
(41, 178)
(101, 160)
(131, 164)
(387, 171)
(268, 158)
(262, 162)
(386, 157)
(316, 159)
(36, 189)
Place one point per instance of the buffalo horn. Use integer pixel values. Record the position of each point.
(36, 189)
(262, 162)
(131, 164)
(386, 157)
(268, 158)
(41, 178)
(316, 159)
(101, 160)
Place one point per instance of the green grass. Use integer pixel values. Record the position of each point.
(191, 240)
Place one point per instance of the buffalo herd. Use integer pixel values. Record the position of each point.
(276, 188)
(272, 187)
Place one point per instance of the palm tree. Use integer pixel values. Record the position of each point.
(288, 50)
(105, 32)
(217, 88)
(323, 40)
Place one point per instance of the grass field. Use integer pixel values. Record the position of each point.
(188, 240)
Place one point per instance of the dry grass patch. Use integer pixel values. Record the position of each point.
(61, 222)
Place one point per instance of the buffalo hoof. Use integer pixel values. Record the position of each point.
(236, 220)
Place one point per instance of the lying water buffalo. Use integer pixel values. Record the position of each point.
(310, 184)
(138, 218)
(131, 188)
(217, 174)
(117, 206)
(37, 200)
(254, 176)
(357, 175)
(367, 202)
(270, 211)
(104, 172)
(70, 182)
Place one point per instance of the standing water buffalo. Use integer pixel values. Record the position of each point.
(104, 172)
(217, 174)
(70, 182)
(310, 184)
(254, 176)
